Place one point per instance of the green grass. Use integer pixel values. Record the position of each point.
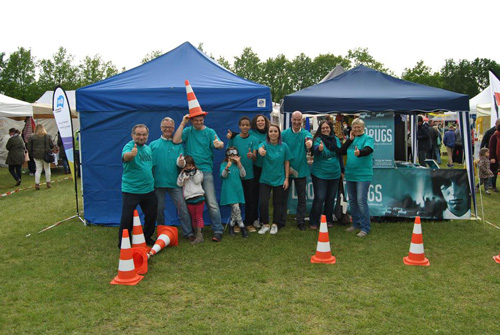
(57, 282)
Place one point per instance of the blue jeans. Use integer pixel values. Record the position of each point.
(211, 201)
(180, 204)
(437, 152)
(325, 191)
(358, 203)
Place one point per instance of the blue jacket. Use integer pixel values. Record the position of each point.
(449, 139)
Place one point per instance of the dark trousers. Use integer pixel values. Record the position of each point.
(422, 155)
(251, 202)
(149, 205)
(493, 180)
(279, 204)
(15, 171)
(31, 165)
(325, 191)
(300, 187)
(257, 171)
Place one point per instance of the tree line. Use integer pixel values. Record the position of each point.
(24, 77)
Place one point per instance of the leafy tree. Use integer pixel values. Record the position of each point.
(248, 65)
(276, 75)
(323, 64)
(17, 78)
(152, 55)
(301, 72)
(224, 63)
(361, 56)
(95, 69)
(422, 74)
(58, 71)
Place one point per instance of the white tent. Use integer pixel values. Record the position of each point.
(10, 107)
(42, 108)
(481, 103)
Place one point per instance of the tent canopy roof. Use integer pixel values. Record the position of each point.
(10, 107)
(364, 89)
(159, 85)
(481, 103)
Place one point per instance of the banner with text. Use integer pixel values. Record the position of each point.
(380, 126)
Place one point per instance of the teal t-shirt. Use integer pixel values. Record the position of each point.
(297, 143)
(165, 154)
(326, 163)
(261, 137)
(273, 163)
(232, 188)
(359, 168)
(243, 144)
(137, 174)
(200, 144)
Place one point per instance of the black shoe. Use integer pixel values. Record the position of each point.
(217, 237)
(150, 241)
(18, 182)
(244, 232)
(301, 226)
(231, 231)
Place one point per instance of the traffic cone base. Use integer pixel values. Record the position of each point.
(323, 252)
(497, 258)
(167, 236)
(409, 261)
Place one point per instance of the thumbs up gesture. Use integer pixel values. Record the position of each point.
(262, 151)
(181, 162)
(308, 143)
(321, 146)
(134, 150)
(250, 154)
(229, 134)
(356, 151)
(217, 143)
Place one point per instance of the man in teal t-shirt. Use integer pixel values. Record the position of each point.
(299, 141)
(138, 184)
(167, 160)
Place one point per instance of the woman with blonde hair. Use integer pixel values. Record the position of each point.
(38, 144)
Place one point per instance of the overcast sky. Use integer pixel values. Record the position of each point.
(396, 33)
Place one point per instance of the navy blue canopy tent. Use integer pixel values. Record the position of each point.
(362, 89)
(146, 94)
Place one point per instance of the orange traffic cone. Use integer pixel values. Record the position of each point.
(194, 105)
(167, 235)
(497, 258)
(416, 255)
(126, 269)
(139, 248)
(323, 252)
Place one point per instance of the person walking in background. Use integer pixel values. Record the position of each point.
(29, 126)
(458, 149)
(298, 140)
(327, 168)
(494, 147)
(449, 143)
(167, 160)
(247, 146)
(15, 157)
(435, 137)
(423, 141)
(358, 174)
(485, 142)
(275, 171)
(232, 172)
(484, 171)
(191, 180)
(38, 144)
(138, 184)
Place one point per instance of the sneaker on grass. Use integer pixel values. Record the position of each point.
(274, 229)
(265, 228)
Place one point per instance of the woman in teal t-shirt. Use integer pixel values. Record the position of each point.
(326, 171)
(275, 170)
(358, 174)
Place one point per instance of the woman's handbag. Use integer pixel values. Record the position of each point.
(341, 206)
(47, 156)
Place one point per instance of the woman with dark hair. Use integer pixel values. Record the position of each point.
(358, 173)
(258, 128)
(326, 173)
(38, 144)
(15, 157)
(275, 171)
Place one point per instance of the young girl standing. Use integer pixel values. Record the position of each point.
(190, 179)
(232, 171)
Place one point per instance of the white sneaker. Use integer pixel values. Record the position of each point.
(350, 229)
(362, 234)
(265, 228)
(257, 224)
(274, 229)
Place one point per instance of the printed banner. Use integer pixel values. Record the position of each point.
(410, 192)
(495, 98)
(62, 115)
(380, 126)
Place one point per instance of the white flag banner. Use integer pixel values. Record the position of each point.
(62, 115)
(495, 98)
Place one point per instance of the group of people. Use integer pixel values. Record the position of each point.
(489, 156)
(259, 160)
(429, 141)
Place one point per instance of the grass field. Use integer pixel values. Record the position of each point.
(57, 282)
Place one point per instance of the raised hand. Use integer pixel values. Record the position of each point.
(321, 146)
(182, 162)
(134, 150)
(356, 151)
(249, 154)
(237, 159)
(351, 135)
(229, 134)
(262, 151)
(308, 143)
(185, 119)
(217, 143)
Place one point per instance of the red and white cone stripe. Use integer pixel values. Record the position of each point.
(416, 254)
(194, 105)
(323, 240)
(138, 239)
(161, 242)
